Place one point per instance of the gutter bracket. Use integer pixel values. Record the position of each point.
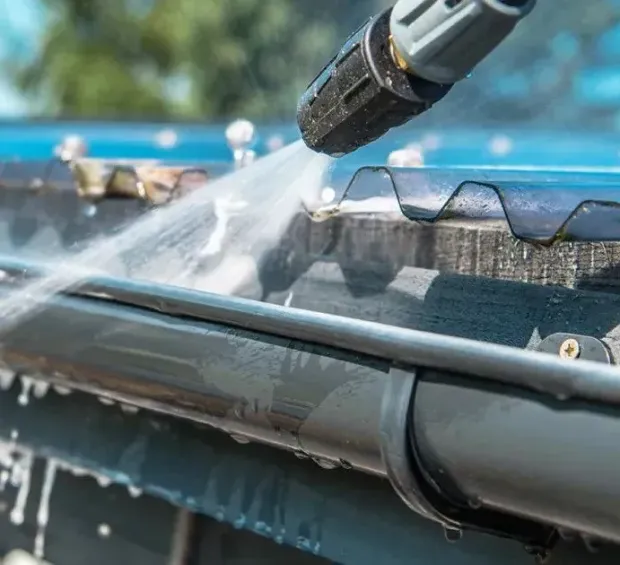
(416, 488)
(575, 347)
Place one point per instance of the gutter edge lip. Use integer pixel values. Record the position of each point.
(540, 372)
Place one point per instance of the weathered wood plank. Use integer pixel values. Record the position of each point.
(420, 277)
(485, 249)
(506, 312)
(399, 272)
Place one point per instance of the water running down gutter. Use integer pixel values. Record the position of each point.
(496, 430)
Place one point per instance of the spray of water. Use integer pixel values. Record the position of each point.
(216, 231)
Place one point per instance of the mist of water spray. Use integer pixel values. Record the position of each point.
(228, 223)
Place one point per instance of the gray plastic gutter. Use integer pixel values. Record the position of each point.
(526, 433)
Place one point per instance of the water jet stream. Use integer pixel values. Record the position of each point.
(208, 239)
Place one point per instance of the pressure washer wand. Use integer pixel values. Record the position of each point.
(397, 65)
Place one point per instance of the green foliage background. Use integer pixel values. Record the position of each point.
(219, 59)
(198, 59)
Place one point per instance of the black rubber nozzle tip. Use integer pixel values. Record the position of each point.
(361, 94)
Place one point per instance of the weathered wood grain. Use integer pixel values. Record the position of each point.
(485, 249)
(420, 277)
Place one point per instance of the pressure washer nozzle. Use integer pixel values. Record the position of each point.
(398, 65)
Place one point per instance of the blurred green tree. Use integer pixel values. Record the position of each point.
(204, 59)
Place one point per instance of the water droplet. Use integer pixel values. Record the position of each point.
(239, 411)
(531, 550)
(74, 470)
(501, 145)
(104, 530)
(345, 464)
(25, 466)
(105, 400)
(592, 544)
(167, 138)
(301, 455)
(452, 535)
(5, 475)
(43, 513)
(89, 210)
(240, 522)
(240, 134)
(40, 388)
(274, 143)
(240, 439)
(7, 378)
(219, 516)
(129, 409)
(16, 472)
(134, 491)
(566, 534)
(102, 480)
(474, 503)
(325, 463)
(542, 557)
(63, 391)
(24, 398)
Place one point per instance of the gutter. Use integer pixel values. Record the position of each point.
(471, 435)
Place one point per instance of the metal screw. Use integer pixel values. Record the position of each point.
(570, 349)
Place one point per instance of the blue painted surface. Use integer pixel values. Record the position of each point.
(206, 143)
(598, 86)
(194, 143)
(473, 147)
(345, 517)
